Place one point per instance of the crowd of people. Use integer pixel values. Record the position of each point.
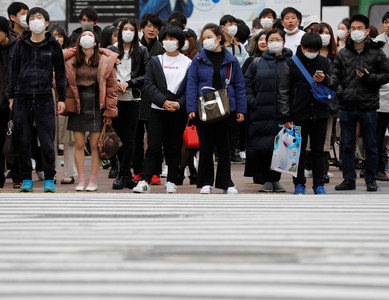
(145, 78)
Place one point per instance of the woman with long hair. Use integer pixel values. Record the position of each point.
(64, 136)
(130, 74)
(109, 36)
(209, 69)
(342, 33)
(91, 98)
(260, 48)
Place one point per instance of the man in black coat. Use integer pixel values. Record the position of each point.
(297, 106)
(360, 69)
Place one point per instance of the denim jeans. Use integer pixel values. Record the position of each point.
(348, 125)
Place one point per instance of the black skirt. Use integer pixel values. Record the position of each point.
(90, 117)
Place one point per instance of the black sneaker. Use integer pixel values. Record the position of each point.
(113, 173)
(371, 186)
(381, 176)
(347, 184)
(118, 184)
(130, 182)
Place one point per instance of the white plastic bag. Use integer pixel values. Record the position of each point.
(286, 153)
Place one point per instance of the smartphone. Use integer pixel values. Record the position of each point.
(359, 68)
(318, 71)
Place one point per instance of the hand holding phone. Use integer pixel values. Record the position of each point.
(318, 71)
(360, 69)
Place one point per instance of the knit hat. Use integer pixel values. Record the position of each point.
(311, 20)
(4, 25)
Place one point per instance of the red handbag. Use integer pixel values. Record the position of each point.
(191, 138)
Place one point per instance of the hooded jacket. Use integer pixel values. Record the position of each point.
(32, 68)
(6, 54)
(360, 94)
(106, 79)
(201, 74)
(295, 97)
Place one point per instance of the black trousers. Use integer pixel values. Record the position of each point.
(139, 154)
(382, 125)
(317, 131)
(125, 126)
(211, 135)
(4, 117)
(165, 128)
(25, 111)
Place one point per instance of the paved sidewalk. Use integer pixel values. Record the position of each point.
(244, 184)
(196, 247)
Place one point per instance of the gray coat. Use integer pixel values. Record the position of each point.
(384, 90)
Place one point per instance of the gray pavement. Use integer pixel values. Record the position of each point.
(190, 246)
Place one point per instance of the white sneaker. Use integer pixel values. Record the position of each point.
(164, 171)
(330, 175)
(231, 190)
(91, 188)
(206, 189)
(170, 187)
(80, 188)
(142, 187)
(308, 173)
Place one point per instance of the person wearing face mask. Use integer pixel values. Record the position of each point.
(130, 73)
(17, 13)
(92, 95)
(229, 27)
(35, 58)
(209, 69)
(262, 110)
(291, 19)
(361, 68)
(297, 106)
(328, 50)
(165, 85)
(342, 33)
(88, 20)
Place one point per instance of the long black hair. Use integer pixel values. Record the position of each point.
(61, 31)
(135, 49)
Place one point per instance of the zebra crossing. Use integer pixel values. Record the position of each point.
(158, 246)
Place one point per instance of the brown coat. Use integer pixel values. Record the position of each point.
(106, 78)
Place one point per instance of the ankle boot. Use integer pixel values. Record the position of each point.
(180, 178)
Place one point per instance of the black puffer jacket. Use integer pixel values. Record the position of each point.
(360, 94)
(295, 98)
(138, 69)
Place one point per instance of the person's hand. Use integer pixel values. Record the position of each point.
(60, 107)
(239, 117)
(108, 121)
(319, 77)
(192, 115)
(288, 125)
(11, 103)
(171, 106)
(361, 74)
(122, 87)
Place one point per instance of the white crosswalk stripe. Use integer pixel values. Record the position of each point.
(175, 246)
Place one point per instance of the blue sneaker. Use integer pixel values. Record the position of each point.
(319, 190)
(27, 185)
(299, 189)
(49, 186)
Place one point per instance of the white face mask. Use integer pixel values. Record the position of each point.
(23, 21)
(186, 46)
(341, 34)
(87, 41)
(275, 47)
(232, 30)
(170, 46)
(267, 23)
(37, 26)
(209, 44)
(291, 31)
(311, 55)
(128, 36)
(325, 38)
(358, 35)
(257, 31)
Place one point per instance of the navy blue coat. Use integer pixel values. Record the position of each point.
(262, 87)
(32, 68)
(201, 74)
